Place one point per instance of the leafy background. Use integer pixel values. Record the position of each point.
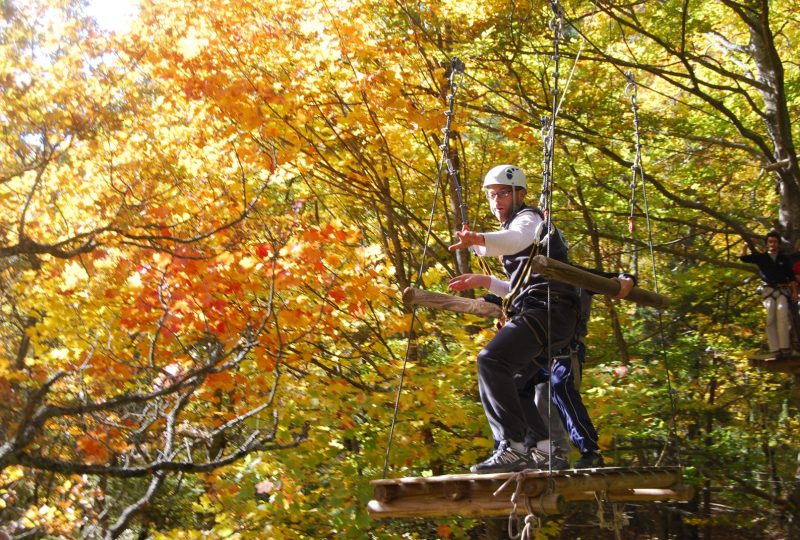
(207, 223)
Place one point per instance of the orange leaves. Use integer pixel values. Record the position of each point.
(93, 450)
(101, 367)
(265, 362)
(221, 381)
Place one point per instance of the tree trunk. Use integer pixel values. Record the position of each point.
(777, 119)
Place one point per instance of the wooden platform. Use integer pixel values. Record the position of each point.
(539, 492)
(782, 364)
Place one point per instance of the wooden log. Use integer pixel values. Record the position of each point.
(778, 165)
(544, 492)
(411, 508)
(474, 306)
(787, 364)
(557, 270)
(549, 504)
(542, 504)
(576, 479)
(678, 492)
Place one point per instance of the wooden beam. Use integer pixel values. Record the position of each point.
(474, 306)
(544, 492)
(473, 507)
(785, 364)
(559, 271)
(551, 269)
(777, 165)
(679, 492)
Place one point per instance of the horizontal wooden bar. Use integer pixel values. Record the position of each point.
(788, 364)
(678, 492)
(560, 271)
(545, 492)
(474, 306)
(550, 504)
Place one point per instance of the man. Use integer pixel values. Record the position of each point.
(775, 270)
(524, 337)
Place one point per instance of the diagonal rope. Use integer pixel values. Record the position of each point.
(457, 67)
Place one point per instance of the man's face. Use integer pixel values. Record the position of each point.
(501, 200)
(772, 244)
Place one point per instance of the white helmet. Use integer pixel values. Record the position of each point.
(505, 175)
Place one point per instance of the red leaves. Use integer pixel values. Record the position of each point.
(337, 295)
(263, 250)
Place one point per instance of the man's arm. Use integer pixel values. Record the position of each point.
(519, 235)
(748, 256)
(626, 281)
(476, 281)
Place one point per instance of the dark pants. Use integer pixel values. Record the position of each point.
(564, 395)
(512, 351)
(573, 412)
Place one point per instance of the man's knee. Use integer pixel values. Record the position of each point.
(488, 361)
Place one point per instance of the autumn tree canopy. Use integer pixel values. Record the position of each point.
(207, 222)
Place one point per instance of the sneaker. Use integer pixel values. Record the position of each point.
(504, 459)
(590, 460)
(541, 460)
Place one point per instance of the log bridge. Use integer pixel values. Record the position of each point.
(537, 492)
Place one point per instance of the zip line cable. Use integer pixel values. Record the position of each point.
(456, 68)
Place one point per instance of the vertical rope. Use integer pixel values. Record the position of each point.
(546, 204)
(636, 167)
(638, 170)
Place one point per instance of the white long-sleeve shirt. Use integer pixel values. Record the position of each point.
(519, 235)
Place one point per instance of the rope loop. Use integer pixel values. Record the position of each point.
(515, 527)
(599, 497)
(532, 524)
(547, 158)
(513, 518)
(556, 23)
(630, 88)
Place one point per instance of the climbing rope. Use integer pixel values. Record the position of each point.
(546, 200)
(636, 167)
(456, 69)
(519, 528)
(638, 171)
(549, 124)
(618, 517)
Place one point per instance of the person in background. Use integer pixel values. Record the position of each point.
(779, 291)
